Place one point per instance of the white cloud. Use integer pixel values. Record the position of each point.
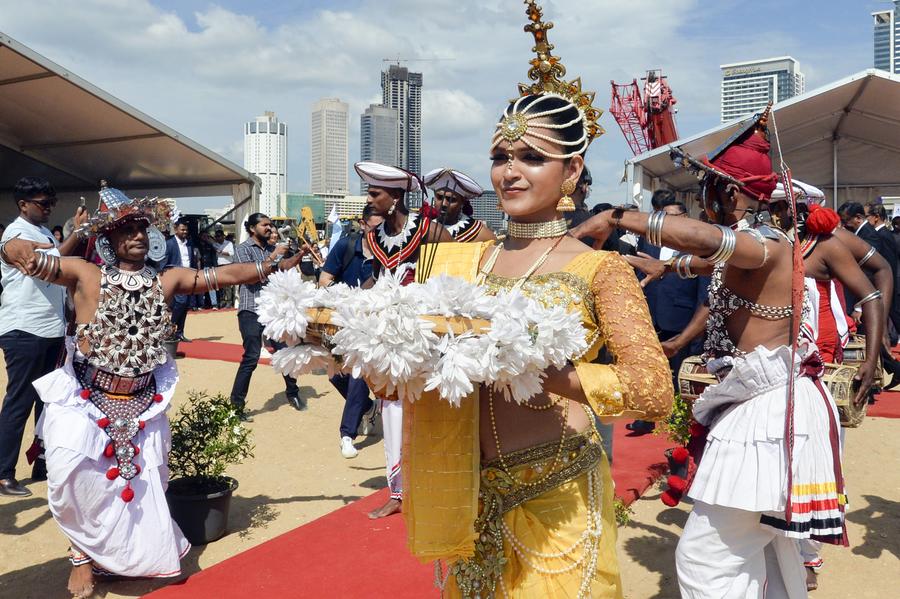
(206, 75)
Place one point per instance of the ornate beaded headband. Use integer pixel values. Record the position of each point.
(547, 73)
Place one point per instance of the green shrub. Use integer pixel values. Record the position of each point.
(207, 436)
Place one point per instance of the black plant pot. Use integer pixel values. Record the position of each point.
(676, 468)
(202, 517)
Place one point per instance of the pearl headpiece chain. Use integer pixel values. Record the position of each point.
(547, 72)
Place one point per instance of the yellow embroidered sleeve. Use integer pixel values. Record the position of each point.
(639, 382)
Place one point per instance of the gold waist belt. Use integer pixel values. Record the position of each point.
(578, 456)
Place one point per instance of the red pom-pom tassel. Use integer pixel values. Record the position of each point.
(821, 220)
(141, 424)
(137, 468)
(85, 394)
(109, 451)
(697, 430)
(680, 455)
(157, 398)
(112, 473)
(137, 449)
(127, 493)
(669, 498)
(677, 484)
(103, 422)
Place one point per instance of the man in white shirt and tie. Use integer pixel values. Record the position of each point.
(32, 328)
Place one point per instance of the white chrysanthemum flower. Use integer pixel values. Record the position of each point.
(560, 336)
(282, 306)
(301, 359)
(459, 368)
(453, 296)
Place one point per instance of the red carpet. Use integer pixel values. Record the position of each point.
(213, 350)
(887, 405)
(345, 555)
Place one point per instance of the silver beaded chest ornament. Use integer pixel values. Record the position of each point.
(126, 338)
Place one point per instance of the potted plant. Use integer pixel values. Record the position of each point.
(207, 436)
(678, 429)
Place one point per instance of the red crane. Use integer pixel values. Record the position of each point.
(647, 122)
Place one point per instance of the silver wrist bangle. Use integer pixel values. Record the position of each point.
(215, 277)
(654, 228)
(726, 246)
(683, 267)
(261, 271)
(869, 298)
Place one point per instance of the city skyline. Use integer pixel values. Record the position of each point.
(202, 69)
(379, 131)
(886, 39)
(329, 142)
(748, 86)
(265, 155)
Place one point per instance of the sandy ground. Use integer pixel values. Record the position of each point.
(298, 474)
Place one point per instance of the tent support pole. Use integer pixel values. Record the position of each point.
(834, 166)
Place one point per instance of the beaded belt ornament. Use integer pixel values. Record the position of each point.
(121, 422)
(112, 383)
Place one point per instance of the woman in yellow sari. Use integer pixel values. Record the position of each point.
(517, 499)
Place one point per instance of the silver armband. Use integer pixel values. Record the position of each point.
(726, 247)
(865, 258)
(762, 241)
(654, 228)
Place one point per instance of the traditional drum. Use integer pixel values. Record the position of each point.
(839, 378)
(693, 380)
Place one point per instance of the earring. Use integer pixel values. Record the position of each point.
(392, 208)
(105, 250)
(565, 202)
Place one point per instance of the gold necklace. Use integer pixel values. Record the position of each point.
(492, 260)
(550, 228)
(502, 459)
(554, 399)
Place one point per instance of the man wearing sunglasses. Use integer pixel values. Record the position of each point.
(32, 329)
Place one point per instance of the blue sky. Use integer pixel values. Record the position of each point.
(204, 68)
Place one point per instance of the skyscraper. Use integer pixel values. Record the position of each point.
(329, 160)
(402, 91)
(485, 208)
(379, 133)
(265, 155)
(748, 86)
(887, 39)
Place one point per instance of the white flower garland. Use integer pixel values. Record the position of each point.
(381, 338)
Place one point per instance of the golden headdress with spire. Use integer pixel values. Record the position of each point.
(547, 72)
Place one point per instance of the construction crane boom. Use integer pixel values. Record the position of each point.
(647, 121)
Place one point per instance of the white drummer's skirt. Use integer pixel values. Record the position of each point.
(737, 540)
(137, 538)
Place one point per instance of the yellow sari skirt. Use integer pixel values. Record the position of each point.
(546, 529)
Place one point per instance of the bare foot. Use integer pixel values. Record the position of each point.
(81, 581)
(391, 507)
(812, 579)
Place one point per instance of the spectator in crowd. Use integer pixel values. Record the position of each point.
(32, 329)
(58, 234)
(350, 262)
(224, 255)
(614, 242)
(673, 301)
(208, 259)
(895, 229)
(856, 219)
(180, 252)
(257, 248)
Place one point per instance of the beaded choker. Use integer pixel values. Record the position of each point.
(552, 228)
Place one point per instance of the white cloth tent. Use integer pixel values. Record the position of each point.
(843, 138)
(55, 125)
